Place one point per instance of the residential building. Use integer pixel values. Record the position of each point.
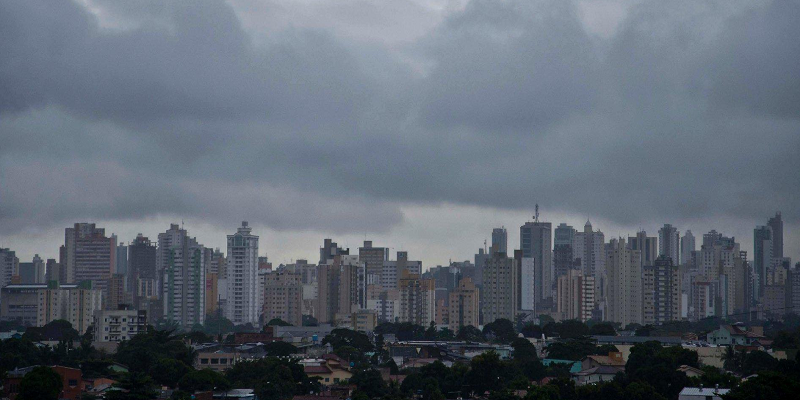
(121, 263)
(359, 320)
(386, 304)
(500, 290)
(417, 299)
(701, 393)
(669, 243)
(118, 325)
(647, 245)
(141, 262)
(89, 255)
(183, 277)
(762, 256)
(563, 250)
(776, 225)
(526, 284)
(687, 247)
(39, 304)
(590, 255)
(116, 293)
(283, 297)
(32, 272)
(536, 242)
(52, 270)
(575, 296)
(338, 286)
(463, 305)
(624, 269)
(393, 270)
(329, 251)
(793, 290)
(661, 292)
(373, 258)
(242, 268)
(9, 266)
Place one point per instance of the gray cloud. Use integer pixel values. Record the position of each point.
(685, 111)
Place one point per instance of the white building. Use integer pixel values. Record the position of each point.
(669, 243)
(590, 248)
(527, 283)
(242, 305)
(624, 270)
(118, 325)
(183, 277)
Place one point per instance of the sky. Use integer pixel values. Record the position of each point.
(420, 125)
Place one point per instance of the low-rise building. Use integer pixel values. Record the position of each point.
(701, 393)
(733, 335)
(118, 325)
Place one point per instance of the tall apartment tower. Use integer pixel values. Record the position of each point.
(183, 277)
(648, 245)
(141, 264)
(526, 283)
(500, 295)
(337, 288)
(777, 235)
(661, 292)
(90, 255)
(500, 239)
(687, 247)
(590, 252)
(121, 265)
(624, 270)
(242, 268)
(9, 266)
(283, 297)
(417, 299)
(563, 250)
(535, 241)
(669, 243)
(329, 250)
(373, 259)
(464, 303)
(762, 256)
(575, 299)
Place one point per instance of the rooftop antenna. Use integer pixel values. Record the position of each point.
(536, 217)
(484, 246)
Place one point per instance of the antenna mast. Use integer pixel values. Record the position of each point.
(536, 217)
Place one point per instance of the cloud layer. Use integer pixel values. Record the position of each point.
(326, 120)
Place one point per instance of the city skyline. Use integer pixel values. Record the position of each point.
(321, 123)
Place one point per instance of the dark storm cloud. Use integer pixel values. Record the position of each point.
(686, 111)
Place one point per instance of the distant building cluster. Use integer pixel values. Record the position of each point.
(563, 273)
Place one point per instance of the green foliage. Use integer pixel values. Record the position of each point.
(403, 330)
(339, 338)
(570, 329)
(279, 349)
(168, 372)
(309, 320)
(278, 322)
(603, 329)
(572, 349)
(768, 385)
(217, 324)
(757, 361)
(133, 386)
(369, 382)
(470, 333)
(531, 330)
(41, 383)
(273, 378)
(203, 380)
(713, 376)
(501, 330)
(60, 330)
(145, 350)
(655, 365)
(198, 336)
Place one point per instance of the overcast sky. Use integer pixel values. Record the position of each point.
(417, 124)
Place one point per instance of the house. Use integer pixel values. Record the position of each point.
(613, 359)
(71, 382)
(734, 335)
(330, 369)
(602, 373)
(700, 393)
(691, 372)
(574, 366)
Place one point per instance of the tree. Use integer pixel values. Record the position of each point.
(369, 382)
(768, 385)
(651, 363)
(757, 361)
(446, 334)
(133, 386)
(470, 333)
(203, 380)
(545, 319)
(41, 383)
(346, 337)
(531, 330)
(146, 349)
(501, 330)
(279, 349)
(309, 320)
(168, 372)
(572, 349)
(524, 351)
(603, 329)
(278, 322)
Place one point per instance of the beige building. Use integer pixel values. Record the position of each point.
(337, 288)
(464, 305)
(417, 299)
(575, 296)
(283, 297)
(500, 293)
(624, 272)
(118, 325)
(661, 292)
(359, 321)
(39, 304)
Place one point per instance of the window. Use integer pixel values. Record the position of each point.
(214, 361)
(73, 382)
(203, 361)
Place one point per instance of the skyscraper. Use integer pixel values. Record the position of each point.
(762, 256)
(687, 247)
(575, 298)
(242, 268)
(500, 294)
(777, 235)
(648, 245)
(464, 305)
(535, 241)
(183, 277)
(661, 292)
(90, 255)
(590, 253)
(526, 267)
(669, 243)
(417, 299)
(9, 266)
(624, 270)
(283, 297)
(500, 239)
(141, 263)
(563, 250)
(121, 264)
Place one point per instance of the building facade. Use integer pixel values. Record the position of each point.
(242, 268)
